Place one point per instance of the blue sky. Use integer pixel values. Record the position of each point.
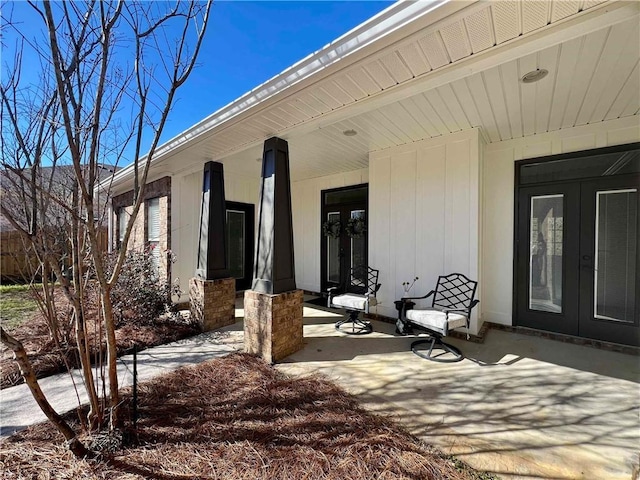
(249, 42)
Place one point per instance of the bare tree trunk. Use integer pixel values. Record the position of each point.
(26, 369)
(112, 355)
(94, 416)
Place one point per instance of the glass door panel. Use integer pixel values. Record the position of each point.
(615, 261)
(358, 250)
(333, 252)
(545, 261)
(236, 243)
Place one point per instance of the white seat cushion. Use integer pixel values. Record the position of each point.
(352, 301)
(436, 320)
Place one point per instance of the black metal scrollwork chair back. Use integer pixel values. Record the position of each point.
(357, 297)
(452, 302)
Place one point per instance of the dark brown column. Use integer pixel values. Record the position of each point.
(274, 270)
(273, 309)
(211, 292)
(212, 246)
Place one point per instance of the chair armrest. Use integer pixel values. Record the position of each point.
(473, 304)
(403, 299)
(332, 291)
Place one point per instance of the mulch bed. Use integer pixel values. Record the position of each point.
(47, 360)
(238, 418)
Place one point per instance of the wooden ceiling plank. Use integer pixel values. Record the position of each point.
(569, 55)
(441, 107)
(545, 88)
(453, 103)
(614, 77)
(410, 106)
(462, 92)
(528, 94)
(511, 90)
(590, 54)
(424, 105)
(628, 91)
(493, 86)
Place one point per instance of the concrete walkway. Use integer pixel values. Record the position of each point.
(18, 409)
(518, 406)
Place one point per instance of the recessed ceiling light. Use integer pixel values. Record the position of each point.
(350, 133)
(534, 75)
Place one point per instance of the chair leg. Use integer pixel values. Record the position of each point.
(358, 326)
(441, 348)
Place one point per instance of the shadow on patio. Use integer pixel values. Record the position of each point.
(518, 406)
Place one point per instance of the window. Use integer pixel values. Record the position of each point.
(122, 225)
(153, 232)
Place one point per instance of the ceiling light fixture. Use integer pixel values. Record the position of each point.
(350, 133)
(534, 76)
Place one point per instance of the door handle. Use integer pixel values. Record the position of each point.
(587, 262)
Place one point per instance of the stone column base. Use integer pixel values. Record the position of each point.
(213, 302)
(273, 324)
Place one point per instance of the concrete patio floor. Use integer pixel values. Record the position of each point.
(518, 406)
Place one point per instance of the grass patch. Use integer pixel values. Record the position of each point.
(16, 305)
(238, 418)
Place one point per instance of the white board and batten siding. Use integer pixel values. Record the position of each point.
(498, 176)
(306, 204)
(424, 214)
(186, 195)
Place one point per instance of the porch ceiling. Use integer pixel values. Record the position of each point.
(461, 73)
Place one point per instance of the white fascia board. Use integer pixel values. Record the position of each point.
(371, 31)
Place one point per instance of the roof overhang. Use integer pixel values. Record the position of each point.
(406, 50)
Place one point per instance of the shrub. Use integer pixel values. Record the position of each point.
(140, 295)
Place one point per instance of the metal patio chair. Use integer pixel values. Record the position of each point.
(357, 297)
(451, 305)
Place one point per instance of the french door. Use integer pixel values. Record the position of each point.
(343, 248)
(577, 263)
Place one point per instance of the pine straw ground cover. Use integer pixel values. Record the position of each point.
(239, 418)
(47, 360)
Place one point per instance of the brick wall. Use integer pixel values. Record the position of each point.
(273, 324)
(138, 240)
(213, 302)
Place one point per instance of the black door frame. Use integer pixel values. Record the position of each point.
(519, 241)
(249, 233)
(345, 245)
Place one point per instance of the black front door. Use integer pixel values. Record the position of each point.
(547, 273)
(343, 240)
(609, 260)
(577, 263)
(240, 233)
